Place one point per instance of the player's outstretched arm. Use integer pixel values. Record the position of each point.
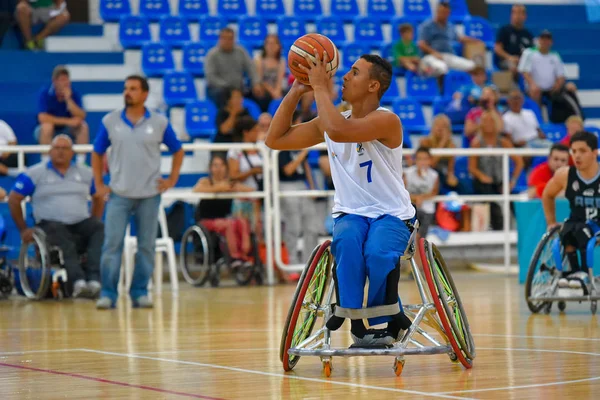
(282, 135)
(555, 185)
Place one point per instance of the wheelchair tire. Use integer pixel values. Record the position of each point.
(199, 254)
(311, 271)
(42, 256)
(454, 319)
(533, 268)
(243, 275)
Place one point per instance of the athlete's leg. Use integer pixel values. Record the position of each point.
(569, 242)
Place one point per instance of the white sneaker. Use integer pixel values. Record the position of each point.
(94, 288)
(80, 289)
(576, 277)
(563, 283)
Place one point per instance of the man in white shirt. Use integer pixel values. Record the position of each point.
(7, 137)
(522, 124)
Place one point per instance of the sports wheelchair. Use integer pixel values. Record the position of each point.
(546, 268)
(441, 310)
(204, 253)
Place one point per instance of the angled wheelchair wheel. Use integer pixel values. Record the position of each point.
(34, 267)
(447, 303)
(244, 274)
(304, 310)
(543, 271)
(196, 255)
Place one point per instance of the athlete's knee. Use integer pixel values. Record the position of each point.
(347, 234)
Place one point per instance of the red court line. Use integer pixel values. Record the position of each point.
(91, 378)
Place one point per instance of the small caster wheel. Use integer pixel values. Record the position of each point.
(214, 281)
(453, 357)
(548, 308)
(562, 306)
(594, 307)
(398, 366)
(327, 368)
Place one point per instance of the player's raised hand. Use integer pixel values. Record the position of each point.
(300, 88)
(318, 76)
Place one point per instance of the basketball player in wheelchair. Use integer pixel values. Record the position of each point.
(65, 230)
(581, 185)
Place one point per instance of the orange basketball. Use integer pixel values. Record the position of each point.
(306, 45)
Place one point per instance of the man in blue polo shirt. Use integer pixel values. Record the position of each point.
(59, 191)
(135, 136)
(60, 110)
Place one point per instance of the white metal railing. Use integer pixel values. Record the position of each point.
(272, 213)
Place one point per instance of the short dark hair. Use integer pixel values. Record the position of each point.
(584, 136)
(226, 30)
(243, 124)
(559, 147)
(143, 81)
(423, 149)
(444, 3)
(381, 71)
(405, 28)
(59, 71)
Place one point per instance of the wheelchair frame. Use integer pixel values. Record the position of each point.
(543, 301)
(433, 312)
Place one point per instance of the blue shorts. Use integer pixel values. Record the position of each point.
(58, 130)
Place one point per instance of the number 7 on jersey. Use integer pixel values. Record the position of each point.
(367, 164)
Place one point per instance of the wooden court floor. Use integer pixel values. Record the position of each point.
(224, 344)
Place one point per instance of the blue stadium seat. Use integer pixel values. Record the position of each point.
(154, 9)
(424, 90)
(252, 30)
(332, 27)
(270, 9)
(554, 132)
(113, 10)
(461, 170)
(458, 11)
(252, 107)
(200, 119)
(157, 59)
(210, 27)
(530, 104)
(174, 31)
(308, 10)
(232, 9)
(274, 105)
(454, 80)
(417, 9)
(392, 93)
(289, 29)
(352, 52)
(179, 88)
(387, 51)
(383, 10)
(345, 9)
(193, 58)
(439, 106)
(193, 9)
(134, 31)
(594, 129)
(368, 30)
(411, 115)
(481, 29)
(397, 21)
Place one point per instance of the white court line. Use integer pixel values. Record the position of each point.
(533, 385)
(167, 328)
(203, 351)
(536, 337)
(250, 371)
(16, 353)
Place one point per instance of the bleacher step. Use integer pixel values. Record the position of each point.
(104, 73)
(81, 44)
(589, 98)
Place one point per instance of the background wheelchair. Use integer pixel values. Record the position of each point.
(545, 269)
(205, 253)
(441, 310)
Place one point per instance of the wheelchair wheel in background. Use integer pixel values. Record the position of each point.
(447, 303)
(542, 272)
(309, 295)
(35, 274)
(196, 255)
(244, 274)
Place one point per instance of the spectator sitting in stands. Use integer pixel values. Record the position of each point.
(467, 96)
(264, 121)
(522, 125)
(435, 41)
(7, 138)
(574, 124)
(440, 137)
(225, 66)
(60, 111)
(228, 115)
(540, 175)
(53, 13)
(406, 52)
(215, 214)
(270, 68)
(544, 73)
(487, 102)
(422, 182)
(487, 170)
(59, 193)
(512, 40)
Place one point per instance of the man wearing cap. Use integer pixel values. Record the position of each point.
(59, 190)
(60, 110)
(134, 135)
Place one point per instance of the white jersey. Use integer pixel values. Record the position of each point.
(368, 178)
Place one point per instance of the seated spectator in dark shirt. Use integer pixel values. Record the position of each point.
(7, 138)
(406, 52)
(60, 111)
(53, 13)
(226, 116)
(540, 175)
(512, 40)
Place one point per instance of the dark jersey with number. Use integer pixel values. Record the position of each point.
(583, 196)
